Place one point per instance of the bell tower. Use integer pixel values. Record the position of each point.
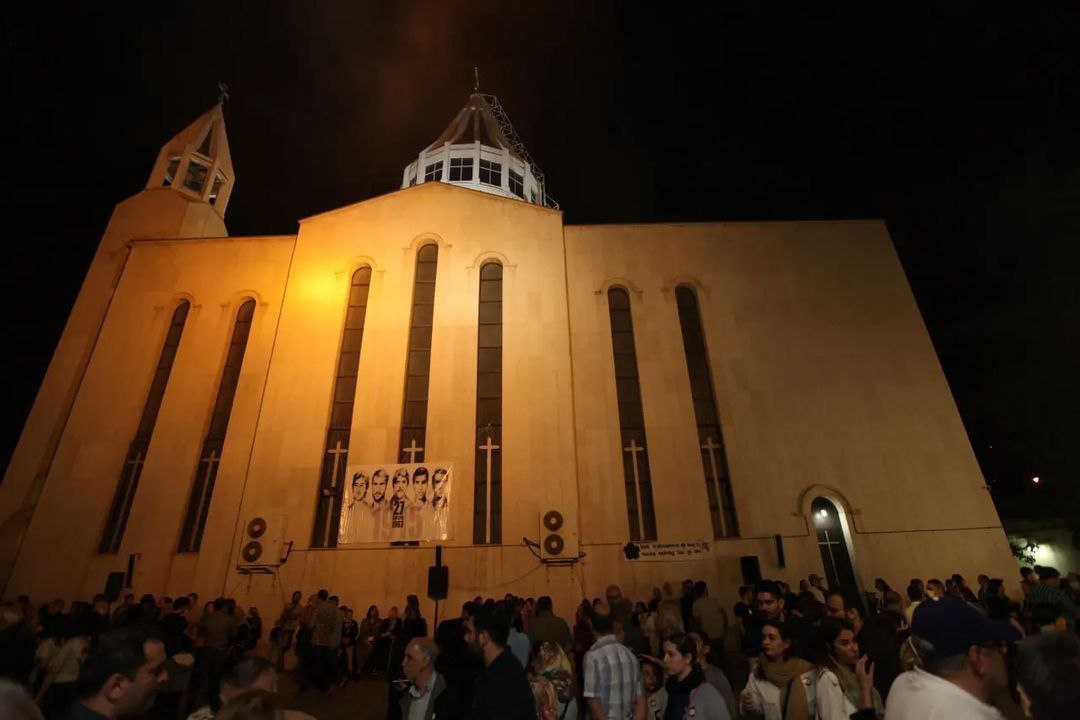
(185, 197)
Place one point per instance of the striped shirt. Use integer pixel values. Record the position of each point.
(1044, 594)
(613, 676)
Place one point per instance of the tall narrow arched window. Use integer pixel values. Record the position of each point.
(487, 489)
(418, 366)
(710, 433)
(206, 469)
(131, 471)
(635, 454)
(336, 449)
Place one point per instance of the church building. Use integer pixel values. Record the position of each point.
(557, 407)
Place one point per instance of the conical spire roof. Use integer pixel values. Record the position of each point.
(480, 150)
(197, 161)
(206, 135)
(475, 122)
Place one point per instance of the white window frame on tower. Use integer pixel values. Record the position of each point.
(433, 171)
(494, 171)
(464, 165)
(514, 178)
(171, 168)
(215, 187)
(206, 164)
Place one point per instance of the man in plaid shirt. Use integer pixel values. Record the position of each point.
(613, 689)
(1048, 592)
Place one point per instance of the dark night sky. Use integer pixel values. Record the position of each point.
(958, 125)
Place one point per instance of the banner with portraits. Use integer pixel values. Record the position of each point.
(396, 503)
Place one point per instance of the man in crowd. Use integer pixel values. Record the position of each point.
(517, 640)
(322, 621)
(503, 691)
(769, 599)
(1048, 675)
(216, 629)
(249, 673)
(621, 607)
(963, 665)
(686, 603)
(916, 596)
(963, 590)
(1028, 578)
(818, 587)
(935, 589)
(174, 627)
(1048, 618)
(714, 675)
(744, 608)
(456, 661)
(17, 643)
(709, 615)
(121, 677)
(547, 626)
(99, 620)
(124, 610)
(336, 635)
(428, 695)
(612, 675)
(1048, 592)
(16, 703)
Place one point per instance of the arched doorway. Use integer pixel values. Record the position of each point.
(834, 543)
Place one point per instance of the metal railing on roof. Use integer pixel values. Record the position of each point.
(517, 146)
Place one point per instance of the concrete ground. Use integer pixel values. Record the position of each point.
(359, 700)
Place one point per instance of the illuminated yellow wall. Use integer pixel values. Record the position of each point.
(152, 213)
(59, 554)
(826, 382)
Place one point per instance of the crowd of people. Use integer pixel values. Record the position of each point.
(939, 650)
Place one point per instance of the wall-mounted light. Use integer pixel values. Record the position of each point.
(1035, 479)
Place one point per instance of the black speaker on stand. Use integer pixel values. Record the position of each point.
(438, 583)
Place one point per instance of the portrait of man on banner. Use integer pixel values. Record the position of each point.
(396, 503)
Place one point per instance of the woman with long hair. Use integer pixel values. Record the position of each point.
(845, 683)
(365, 640)
(781, 686)
(552, 664)
(689, 696)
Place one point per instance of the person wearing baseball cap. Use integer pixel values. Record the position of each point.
(961, 664)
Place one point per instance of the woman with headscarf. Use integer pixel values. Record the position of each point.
(845, 683)
(552, 664)
(689, 695)
(544, 698)
(781, 686)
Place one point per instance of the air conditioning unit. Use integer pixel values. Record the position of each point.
(552, 543)
(260, 546)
